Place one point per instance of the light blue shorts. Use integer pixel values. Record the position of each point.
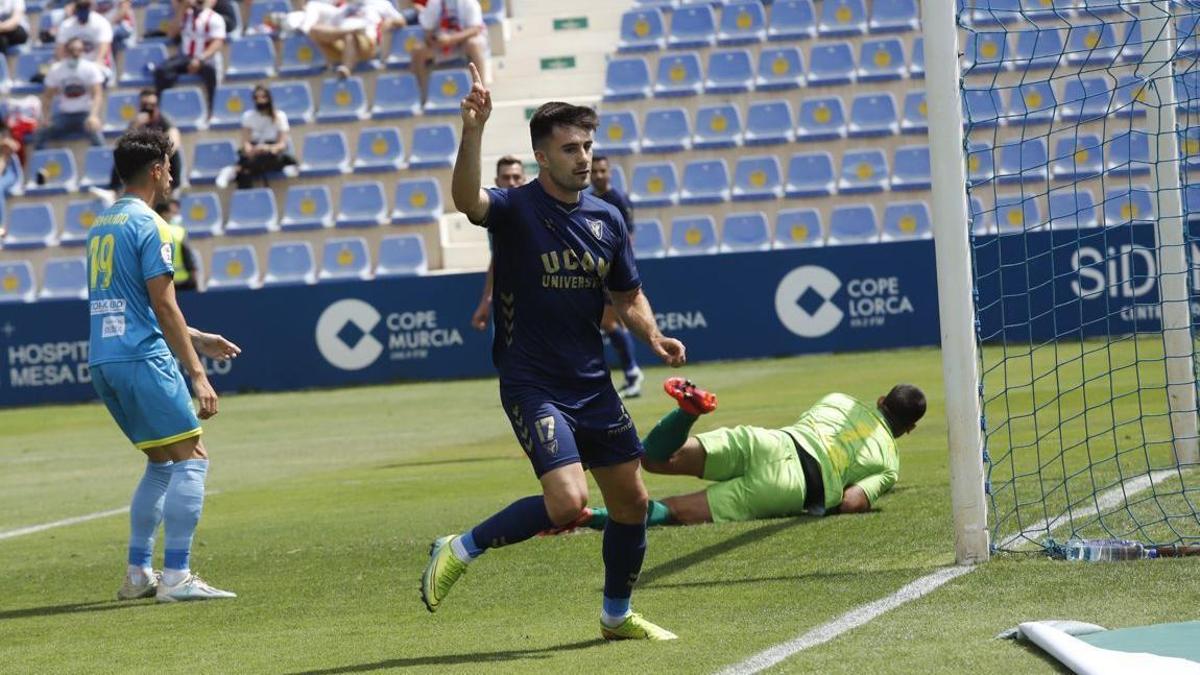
(149, 400)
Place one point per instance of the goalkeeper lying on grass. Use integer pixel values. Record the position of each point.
(839, 457)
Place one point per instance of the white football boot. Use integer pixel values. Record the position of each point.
(191, 588)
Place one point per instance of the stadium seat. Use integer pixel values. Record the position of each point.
(873, 115)
(186, 108)
(798, 227)
(31, 64)
(649, 242)
(666, 130)
(379, 149)
(208, 158)
(792, 20)
(251, 57)
(984, 52)
(1071, 208)
(1092, 45)
(654, 185)
(910, 168)
(401, 255)
(769, 123)
(1048, 9)
(299, 57)
(361, 204)
(831, 63)
(1032, 103)
(201, 213)
(991, 12)
(342, 100)
(842, 18)
(230, 101)
(260, 9)
(447, 88)
(493, 11)
(757, 178)
(906, 220)
(5, 78)
(57, 166)
(16, 281)
(29, 226)
(433, 147)
(307, 207)
(821, 119)
(810, 174)
(396, 95)
(1129, 153)
(915, 118)
(717, 126)
(616, 177)
(627, 79)
(404, 41)
(853, 224)
(729, 72)
(345, 258)
(980, 166)
(252, 211)
(742, 23)
(418, 201)
(1077, 156)
(1187, 35)
(692, 27)
(97, 167)
(1037, 50)
(705, 181)
(1085, 99)
(693, 235)
(745, 232)
(779, 68)
(1130, 96)
(916, 63)
(157, 21)
(1022, 161)
(863, 171)
(642, 30)
(324, 153)
(982, 107)
(979, 220)
(881, 60)
(120, 108)
(894, 16)
(678, 75)
(1016, 214)
(1126, 205)
(64, 279)
(80, 215)
(290, 263)
(136, 61)
(233, 267)
(617, 133)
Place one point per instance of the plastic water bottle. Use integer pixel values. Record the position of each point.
(1094, 550)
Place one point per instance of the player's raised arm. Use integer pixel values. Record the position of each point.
(634, 309)
(465, 185)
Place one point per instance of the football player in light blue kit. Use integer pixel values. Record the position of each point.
(136, 326)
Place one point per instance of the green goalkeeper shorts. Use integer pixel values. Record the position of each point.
(757, 471)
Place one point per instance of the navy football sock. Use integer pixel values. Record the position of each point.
(624, 550)
(517, 522)
(622, 341)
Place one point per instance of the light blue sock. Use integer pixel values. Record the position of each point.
(181, 511)
(146, 512)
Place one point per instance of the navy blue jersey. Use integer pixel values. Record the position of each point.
(619, 200)
(553, 262)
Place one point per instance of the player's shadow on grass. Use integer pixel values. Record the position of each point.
(458, 659)
(445, 462)
(659, 572)
(72, 608)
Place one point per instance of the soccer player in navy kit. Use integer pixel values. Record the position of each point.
(557, 250)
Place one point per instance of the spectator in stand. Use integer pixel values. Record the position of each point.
(10, 169)
(352, 33)
(14, 29)
(186, 275)
(90, 26)
(21, 115)
(151, 116)
(202, 37)
(452, 28)
(123, 21)
(72, 99)
(510, 173)
(618, 335)
(264, 145)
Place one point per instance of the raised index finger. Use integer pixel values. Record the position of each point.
(475, 79)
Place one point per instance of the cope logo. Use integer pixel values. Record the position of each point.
(804, 301)
(344, 334)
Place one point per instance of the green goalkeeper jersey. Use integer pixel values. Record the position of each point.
(852, 442)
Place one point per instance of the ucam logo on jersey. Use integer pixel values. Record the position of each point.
(346, 340)
(810, 303)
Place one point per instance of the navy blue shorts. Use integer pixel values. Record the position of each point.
(556, 430)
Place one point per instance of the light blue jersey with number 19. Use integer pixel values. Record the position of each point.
(127, 245)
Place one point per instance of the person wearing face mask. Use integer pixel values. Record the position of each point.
(264, 145)
(14, 29)
(72, 99)
(149, 116)
(201, 32)
(89, 26)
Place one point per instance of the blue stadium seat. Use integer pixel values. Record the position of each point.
(342, 100)
(29, 226)
(894, 16)
(1188, 38)
(379, 149)
(186, 108)
(729, 72)
(396, 95)
(992, 12)
(915, 118)
(295, 99)
(259, 9)
(493, 11)
(717, 126)
(982, 107)
(792, 20)
(705, 181)
(1129, 153)
(136, 61)
(97, 168)
(1133, 46)
(1071, 208)
(447, 88)
(1130, 96)
(233, 267)
(307, 207)
(57, 166)
(779, 68)
(863, 171)
(201, 214)
(1048, 9)
(980, 165)
(617, 133)
(80, 215)
(769, 123)
(1032, 103)
(742, 23)
(881, 60)
(910, 168)
(692, 27)
(230, 101)
(345, 258)
(404, 41)
(1016, 214)
(64, 279)
(693, 235)
(290, 263)
(627, 79)
(1076, 157)
(16, 281)
(418, 201)
(1023, 161)
(252, 211)
(433, 147)
(916, 63)
(810, 174)
(873, 115)
(842, 17)
(5, 79)
(853, 224)
(906, 220)
(208, 158)
(649, 242)
(745, 232)
(830, 63)
(642, 30)
(401, 255)
(654, 185)
(1037, 49)
(985, 52)
(1098, 8)
(157, 22)
(361, 204)
(1093, 45)
(798, 227)
(821, 119)
(757, 178)
(666, 130)
(324, 153)
(29, 65)
(979, 220)
(299, 57)
(120, 108)
(1187, 88)
(616, 177)
(678, 75)
(251, 57)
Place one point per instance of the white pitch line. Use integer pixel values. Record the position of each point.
(849, 621)
(34, 529)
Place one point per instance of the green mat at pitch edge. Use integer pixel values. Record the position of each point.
(1181, 640)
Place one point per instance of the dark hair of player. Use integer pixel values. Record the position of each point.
(904, 406)
(559, 114)
(599, 158)
(504, 161)
(137, 150)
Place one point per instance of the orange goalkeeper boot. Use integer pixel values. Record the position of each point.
(691, 399)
